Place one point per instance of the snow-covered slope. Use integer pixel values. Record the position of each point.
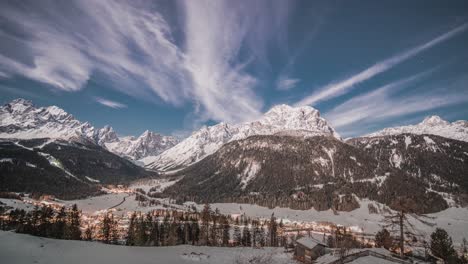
(20, 119)
(149, 143)
(20, 248)
(303, 121)
(430, 125)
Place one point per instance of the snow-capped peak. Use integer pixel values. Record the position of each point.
(279, 119)
(430, 125)
(21, 119)
(434, 121)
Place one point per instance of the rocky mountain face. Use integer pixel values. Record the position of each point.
(433, 125)
(66, 169)
(283, 119)
(440, 164)
(320, 172)
(19, 119)
(148, 144)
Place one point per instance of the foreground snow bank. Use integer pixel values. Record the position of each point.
(20, 248)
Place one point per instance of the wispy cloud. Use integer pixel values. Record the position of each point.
(361, 113)
(109, 103)
(285, 83)
(216, 33)
(131, 44)
(341, 87)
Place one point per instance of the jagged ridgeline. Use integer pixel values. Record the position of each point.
(320, 172)
(66, 169)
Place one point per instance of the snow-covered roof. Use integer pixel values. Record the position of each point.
(309, 242)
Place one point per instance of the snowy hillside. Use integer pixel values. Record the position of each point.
(20, 119)
(280, 119)
(19, 248)
(430, 125)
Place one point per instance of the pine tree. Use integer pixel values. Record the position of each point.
(105, 229)
(114, 231)
(237, 236)
(273, 231)
(154, 234)
(74, 223)
(140, 231)
(195, 233)
(89, 233)
(441, 245)
(259, 236)
(246, 237)
(206, 218)
(383, 239)
(130, 238)
(60, 223)
(226, 236)
(45, 221)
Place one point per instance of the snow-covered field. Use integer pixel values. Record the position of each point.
(454, 220)
(22, 249)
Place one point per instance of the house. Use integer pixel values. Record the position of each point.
(362, 256)
(308, 249)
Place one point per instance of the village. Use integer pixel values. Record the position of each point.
(168, 224)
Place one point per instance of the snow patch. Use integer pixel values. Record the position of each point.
(407, 141)
(249, 173)
(91, 179)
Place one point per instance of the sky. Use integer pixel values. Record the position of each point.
(173, 66)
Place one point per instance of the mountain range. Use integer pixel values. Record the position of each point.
(291, 157)
(281, 119)
(20, 119)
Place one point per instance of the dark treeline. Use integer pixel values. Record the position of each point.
(45, 222)
(156, 228)
(205, 228)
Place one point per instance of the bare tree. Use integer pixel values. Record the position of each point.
(399, 220)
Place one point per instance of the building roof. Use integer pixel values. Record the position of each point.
(310, 242)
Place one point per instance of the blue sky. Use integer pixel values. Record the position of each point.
(172, 66)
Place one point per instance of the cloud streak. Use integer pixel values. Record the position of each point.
(341, 87)
(131, 45)
(109, 103)
(284, 83)
(389, 102)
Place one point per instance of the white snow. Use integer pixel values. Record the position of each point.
(6, 160)
(453, 219)
(31, 165)
(56, 163)
(396, 159)
(280, 119)
(407, 141)
(428, 140)
(323, 162)
(54, 123)
(433, 125)
(91, 179)
(249, 173)
(330, 153)
(21, 248)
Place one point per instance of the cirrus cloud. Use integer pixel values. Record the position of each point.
(131, 45)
